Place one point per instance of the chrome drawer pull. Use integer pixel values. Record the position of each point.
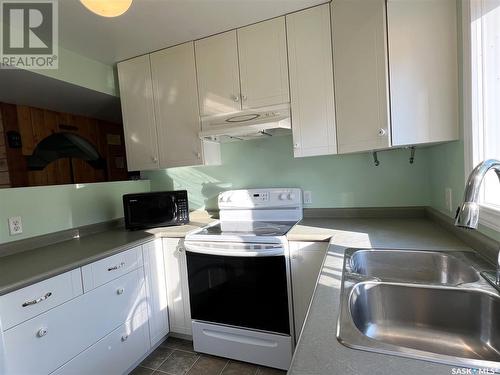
(35, 301)
(114, 268)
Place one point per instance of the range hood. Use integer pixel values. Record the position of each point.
(246, 125)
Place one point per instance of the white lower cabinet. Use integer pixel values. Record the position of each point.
(26, 303)
(42, 344)
(100, 272)
(306, 259)
(156, 290)
(177, 286)
(113, 355)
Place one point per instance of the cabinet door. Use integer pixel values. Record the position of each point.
(423, 70)
(115, 354)
(263, 64)
(360, 75)
(136, 95)
(311, 81)
(54, 337)
(176, 105)
(177, 286)
(218, 74)
(156, 290)
(306, 259)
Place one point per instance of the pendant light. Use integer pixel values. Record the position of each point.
(107, 8)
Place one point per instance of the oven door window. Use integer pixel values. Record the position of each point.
(248, 292)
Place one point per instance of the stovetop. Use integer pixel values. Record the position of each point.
(247, 228)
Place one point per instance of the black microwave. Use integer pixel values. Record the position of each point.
(156, 209)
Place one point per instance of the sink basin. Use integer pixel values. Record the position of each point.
(451, 322)
(427, 305)
(413, 266)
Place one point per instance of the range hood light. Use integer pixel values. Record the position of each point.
(107, 8)
(247, 124)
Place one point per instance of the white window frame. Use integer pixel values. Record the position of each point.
(489, 215)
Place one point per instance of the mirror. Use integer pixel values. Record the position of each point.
(42, 143)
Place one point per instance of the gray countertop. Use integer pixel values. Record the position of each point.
(318, 351)
(27, 267)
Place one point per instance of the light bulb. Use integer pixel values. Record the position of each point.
(107, 8)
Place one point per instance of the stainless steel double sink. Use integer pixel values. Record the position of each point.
(421, 304)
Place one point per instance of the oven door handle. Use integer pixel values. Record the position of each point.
(239, 250)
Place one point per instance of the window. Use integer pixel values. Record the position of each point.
(482, 41)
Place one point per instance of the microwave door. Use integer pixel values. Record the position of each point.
(162, 209)
(152, 212)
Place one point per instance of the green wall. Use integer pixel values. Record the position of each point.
(54, 208)
(335, 181)
(82, 71)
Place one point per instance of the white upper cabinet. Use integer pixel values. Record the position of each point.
(161, 117)
(218, 74)
(136, 95)
(360, 74)
(311, 81)
(423, 70)
(243, 69)
(263, 64)
(176, 106)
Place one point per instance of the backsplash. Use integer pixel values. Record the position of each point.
(335, 181)
(53, 208)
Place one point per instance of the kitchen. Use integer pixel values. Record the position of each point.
(250, 187)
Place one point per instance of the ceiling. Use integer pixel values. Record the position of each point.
(150, 25)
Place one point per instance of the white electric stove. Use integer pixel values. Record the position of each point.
(239, 277)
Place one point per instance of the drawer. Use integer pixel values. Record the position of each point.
(267, 349)
(110, 268)
(113, 355)
(23, 304)
(44, 343)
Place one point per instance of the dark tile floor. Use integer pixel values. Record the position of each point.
(177, 357)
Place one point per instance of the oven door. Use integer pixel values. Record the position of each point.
(238, 284)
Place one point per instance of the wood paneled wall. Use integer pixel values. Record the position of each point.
(4, 166)
(35, 124)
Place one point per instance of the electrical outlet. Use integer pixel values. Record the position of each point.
(448, 194)
(308, 197)
(15, 225)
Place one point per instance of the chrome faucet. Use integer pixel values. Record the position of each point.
(468, 213)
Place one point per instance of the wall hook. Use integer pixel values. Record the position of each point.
(412, 154)
(375, 159)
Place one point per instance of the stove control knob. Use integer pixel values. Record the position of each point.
(291, 197)
(282, 196)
